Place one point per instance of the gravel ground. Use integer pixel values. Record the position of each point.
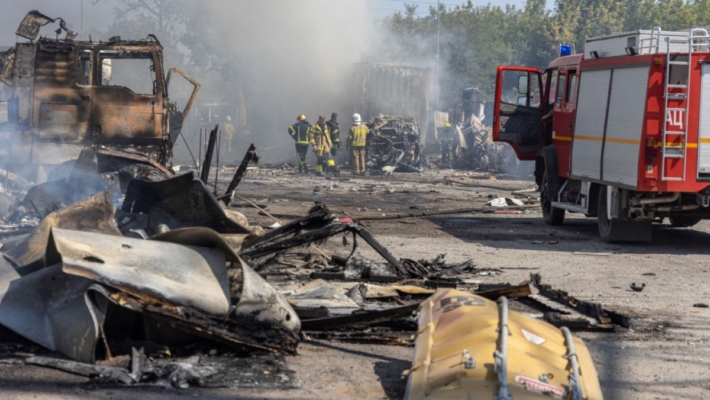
(665, 356)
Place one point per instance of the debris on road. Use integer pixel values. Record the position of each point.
(561, 309)
(637, 288)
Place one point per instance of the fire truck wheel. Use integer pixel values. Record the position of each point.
(619, 230)
(551, 215)
(684, 221)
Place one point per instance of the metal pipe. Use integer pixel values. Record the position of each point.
(684, 207)
(501, 353)
(657, 200)
(574, 379)
(216, 171)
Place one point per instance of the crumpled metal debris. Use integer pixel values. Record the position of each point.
(180, 202)
(394, 141)
(180, 277)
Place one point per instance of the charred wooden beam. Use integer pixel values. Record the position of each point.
(249, 157)
(300, 240)
(205, 173)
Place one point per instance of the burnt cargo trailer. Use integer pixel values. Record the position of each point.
(392, 90)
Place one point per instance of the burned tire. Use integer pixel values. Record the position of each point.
(618, 230)
(684, 221)
(551, 215)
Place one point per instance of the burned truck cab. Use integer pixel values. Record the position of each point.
(68, 94)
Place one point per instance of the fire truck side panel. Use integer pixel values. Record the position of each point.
(704, 129)
(589, 124)
(624, 126)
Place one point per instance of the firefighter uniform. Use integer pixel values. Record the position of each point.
(335, 138)
(319, 138)
(446, 140)
(356, 140)
(300, 132)
(229, 134)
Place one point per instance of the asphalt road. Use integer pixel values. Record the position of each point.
(665, 356)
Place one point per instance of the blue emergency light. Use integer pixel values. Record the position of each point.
(565, 50)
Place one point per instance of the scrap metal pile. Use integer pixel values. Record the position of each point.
(474, 149)
(394, 142)
(152, 279)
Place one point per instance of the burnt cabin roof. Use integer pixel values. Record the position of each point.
(61, 44)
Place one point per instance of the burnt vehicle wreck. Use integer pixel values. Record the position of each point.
(394, 141)
(67, 95)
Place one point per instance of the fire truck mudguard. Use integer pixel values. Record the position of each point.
(468, 347)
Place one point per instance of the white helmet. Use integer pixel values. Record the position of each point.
(356, 119)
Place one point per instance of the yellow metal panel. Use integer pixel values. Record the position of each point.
(455, 326)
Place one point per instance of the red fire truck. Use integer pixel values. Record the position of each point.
(621, 132)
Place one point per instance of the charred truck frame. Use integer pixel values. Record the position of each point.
(64, 98)
(629, 141)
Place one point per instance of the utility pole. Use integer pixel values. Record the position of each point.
(81, 23)
(438, 26)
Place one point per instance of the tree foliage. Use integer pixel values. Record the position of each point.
(475, 40)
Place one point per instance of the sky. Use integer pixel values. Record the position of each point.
(96, 16)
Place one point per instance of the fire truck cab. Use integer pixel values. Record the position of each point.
(620, 132)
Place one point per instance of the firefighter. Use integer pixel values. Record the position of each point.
(319, 137)
(228, 133)
(447, 146)
(300, 132)
(335, 138)
(356, 141)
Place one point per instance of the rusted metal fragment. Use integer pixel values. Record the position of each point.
(7, 66)
(94, 214)
(180, 202)
(511, 292)
(177, 118)
(29, 27)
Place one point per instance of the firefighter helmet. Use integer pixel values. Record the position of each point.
(301, 117)
(357, 120)
(448, 125)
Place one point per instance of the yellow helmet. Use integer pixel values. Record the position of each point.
(301, 117)
(448, 125)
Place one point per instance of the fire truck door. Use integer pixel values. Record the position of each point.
(517, 110)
